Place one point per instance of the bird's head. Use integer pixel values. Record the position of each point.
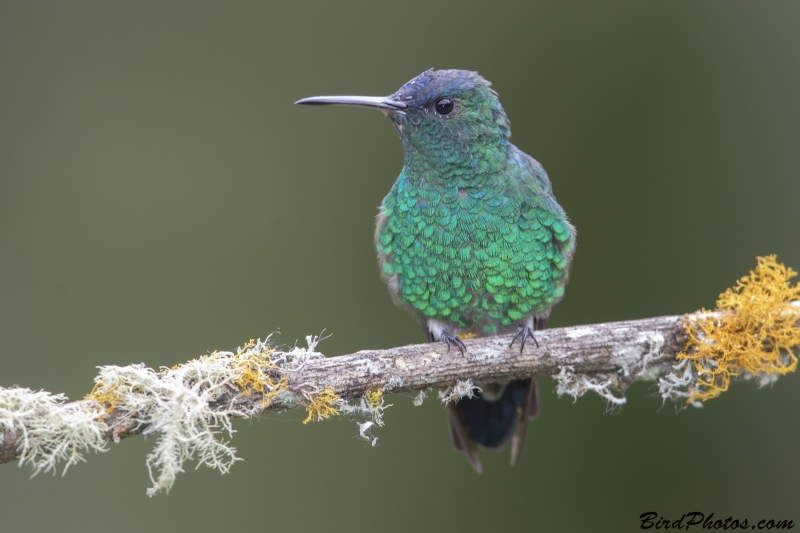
(439, 109)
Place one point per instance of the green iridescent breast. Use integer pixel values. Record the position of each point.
(478, 250)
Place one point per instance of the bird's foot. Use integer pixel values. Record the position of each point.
(526, 332)
(449, 338)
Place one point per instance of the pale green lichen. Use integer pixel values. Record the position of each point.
(178, 405)
(576, 385)
(462, 389)
(48, 431)
(175, 404)
(393, 383)
(419, 398)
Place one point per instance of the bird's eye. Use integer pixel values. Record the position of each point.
(444, 106)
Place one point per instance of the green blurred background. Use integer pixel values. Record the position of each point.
(161, 197)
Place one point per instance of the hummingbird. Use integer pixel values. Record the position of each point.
(470, 239)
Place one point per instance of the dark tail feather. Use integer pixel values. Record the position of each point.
(490, 423)
(460, 439)
(530, 410)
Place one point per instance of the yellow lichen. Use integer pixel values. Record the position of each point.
(108, 398)
(253, 370)
(468, 335)
(757, 335)
(256, 372)
(322, 405)
(374, 397)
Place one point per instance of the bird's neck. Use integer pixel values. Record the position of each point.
(466, 164)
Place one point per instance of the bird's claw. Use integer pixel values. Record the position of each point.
(527, 333)
(449, 338)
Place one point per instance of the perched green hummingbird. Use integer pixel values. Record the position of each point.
(470, 239)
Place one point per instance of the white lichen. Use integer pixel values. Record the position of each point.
(179, 405)
(296, 358)
(419, 398)
(577, 385)
(393, 383)
(462, 389)
(363, 410)
(578, 332)
(365, 432)
(633, 362)
(366, 415)
(765, 379)
(364, 427)
(49, 432)
(175, 405)
(676, 384)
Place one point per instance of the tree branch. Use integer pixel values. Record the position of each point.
(620, 351)
(188, 406)
(623, 349)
